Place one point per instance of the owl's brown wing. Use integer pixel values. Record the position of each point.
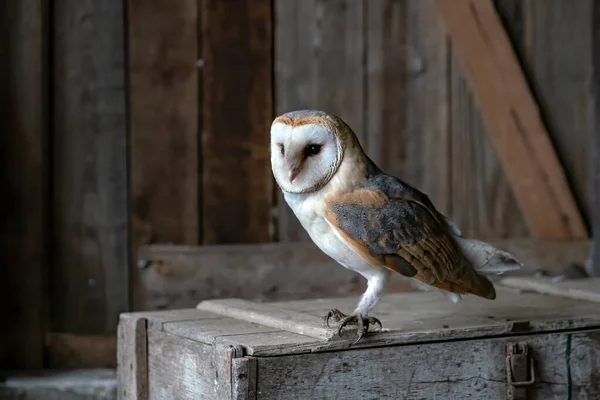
(401, 230)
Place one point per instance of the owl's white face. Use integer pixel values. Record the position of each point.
(303, 158)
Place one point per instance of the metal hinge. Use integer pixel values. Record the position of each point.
(520, 373)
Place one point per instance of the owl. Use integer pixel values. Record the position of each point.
(371, 222)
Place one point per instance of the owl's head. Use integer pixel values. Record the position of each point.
(307, 148)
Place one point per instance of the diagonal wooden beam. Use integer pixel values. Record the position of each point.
(512, 117)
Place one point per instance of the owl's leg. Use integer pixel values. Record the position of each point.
(377, 282)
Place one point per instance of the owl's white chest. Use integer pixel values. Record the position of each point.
(310, 211)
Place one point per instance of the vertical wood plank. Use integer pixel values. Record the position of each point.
(238, 109)
(557, 39)
(593, 266)
(482, 199)
(164, 115)
(319, 65)
(386, 71)
(23, 146)
(132, 357)
(90, 263)
(510, 112)
(427, 146)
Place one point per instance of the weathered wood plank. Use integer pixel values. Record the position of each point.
(426, 151)
(483, 204)
(24, 181)
(69, 351)
(90, 247)
(208, 330)
(594, 264)
(319, 64)
(555, 50)
(464, 369)
(132, 357)
(182, 276)
(164, 106)
(587, 289)
(268, 315)
(426, 317)
(244, 387)
(177, 368)
(236, 169)
(385, 87)
(512, 117)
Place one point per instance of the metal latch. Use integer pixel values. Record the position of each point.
(520, 372)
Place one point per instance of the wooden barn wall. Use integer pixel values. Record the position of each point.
(387, 68)
(140, 122)
(23, 181)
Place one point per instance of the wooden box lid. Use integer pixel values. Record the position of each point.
(289, 327)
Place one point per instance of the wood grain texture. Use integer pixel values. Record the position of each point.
(583, 289)
(237, 178)
(512, 117)
(177, 368)
(164, 134)
(555, 50)
(69, 351)
(427, 145)
(182, 276)
(385, 134)
(90, 246)
(483, 204)
(594, 264)
(319, 64)
(268, 315)
(132, 357)
(457, 370)
(426, 317)
(24, 182)
(280, 328)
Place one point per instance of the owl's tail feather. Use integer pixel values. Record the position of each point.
(487, 259)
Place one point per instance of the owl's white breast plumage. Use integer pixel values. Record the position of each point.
(310, 210)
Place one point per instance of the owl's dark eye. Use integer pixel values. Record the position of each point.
(312, 149)
(282, 149)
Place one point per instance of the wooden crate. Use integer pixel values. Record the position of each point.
(429, 348)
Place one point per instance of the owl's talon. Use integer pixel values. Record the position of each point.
(336, 314)
(362, 323)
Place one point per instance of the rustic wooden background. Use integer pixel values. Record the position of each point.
(145, 122)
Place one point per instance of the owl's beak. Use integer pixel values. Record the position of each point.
(294, 173)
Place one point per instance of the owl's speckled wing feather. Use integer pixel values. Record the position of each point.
(388, 222)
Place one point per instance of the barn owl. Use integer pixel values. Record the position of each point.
(370, 222)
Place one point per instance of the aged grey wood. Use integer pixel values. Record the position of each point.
(179, 368)
(24, 179)
(90, 279)
(482, 201)
(237, 51)
(430, 348)
(587, 289)
(417, 317)
(182, 276)
(557, 57)
(162, 50)
(158, 319)
(594, 265)
(319, 50)
(427, 149)
(453, 370)
(132, 357)
(268, 315)
(245, 380)
(385, 135)
(209, 330)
